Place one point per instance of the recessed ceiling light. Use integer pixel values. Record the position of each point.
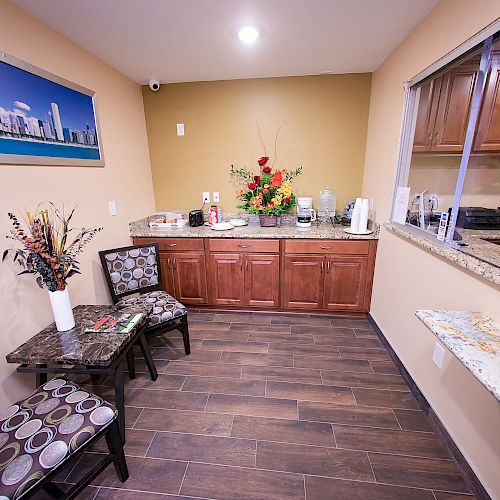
(248, 34)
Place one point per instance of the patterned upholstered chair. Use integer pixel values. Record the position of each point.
(49, 430)
(136, 270)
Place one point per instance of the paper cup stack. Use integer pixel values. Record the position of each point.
(359, 219)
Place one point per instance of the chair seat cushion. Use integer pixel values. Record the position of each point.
(165, 307)
(44, 430)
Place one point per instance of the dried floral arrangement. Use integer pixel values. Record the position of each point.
(49, 250)
(268, 192)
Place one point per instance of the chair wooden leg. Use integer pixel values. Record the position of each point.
(115, 446)
(131, 363)
(143, 344)
(185, 334)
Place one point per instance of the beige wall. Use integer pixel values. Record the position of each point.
(325, 133)
(407, 277)
(126, 178)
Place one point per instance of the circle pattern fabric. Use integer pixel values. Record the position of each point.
(43, 430)
(165, 307)
(132, 269)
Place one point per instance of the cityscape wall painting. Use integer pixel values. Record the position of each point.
(44, 119)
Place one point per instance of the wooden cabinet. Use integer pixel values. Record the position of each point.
(227, 279)
(443, 111)
(334, 276)
(303, 281)
(295, 274)
(246, 279)
(345, 283)
(184, 276)
(488, 129)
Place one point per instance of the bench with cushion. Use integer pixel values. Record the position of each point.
(49, 429)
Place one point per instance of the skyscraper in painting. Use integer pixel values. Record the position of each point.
(57, 121)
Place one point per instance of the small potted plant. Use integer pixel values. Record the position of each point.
(49, 252)
(268, 194)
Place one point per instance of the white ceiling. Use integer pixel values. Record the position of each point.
(194, 40)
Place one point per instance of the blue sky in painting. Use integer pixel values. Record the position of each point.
(75, 109)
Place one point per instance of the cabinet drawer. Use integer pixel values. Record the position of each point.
(174, 244)
(327, 247)
(243, 245)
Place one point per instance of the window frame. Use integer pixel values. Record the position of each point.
(409, 119)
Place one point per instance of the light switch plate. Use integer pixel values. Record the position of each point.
(180, 129)
(438, 355)
(215, 196)
(112, 208)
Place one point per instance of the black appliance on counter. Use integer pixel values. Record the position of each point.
(478, 218)
(196, 218)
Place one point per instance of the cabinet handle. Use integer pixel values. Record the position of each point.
(243, 246)
(171, 244)
(428, 141)
(436, 138)
(169, 262)
(322, 266)
(325, 248)
(246, 265)
(328, 267)
(241, 264)
(175, 264)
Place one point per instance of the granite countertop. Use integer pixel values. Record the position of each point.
(473, 338)
(288, 229)
(75, 347)
(479, 256)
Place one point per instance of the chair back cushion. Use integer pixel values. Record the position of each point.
(131, 269)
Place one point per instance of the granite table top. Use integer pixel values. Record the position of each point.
(288, 229)
(473, 338)
(480, 256)
(75, 346)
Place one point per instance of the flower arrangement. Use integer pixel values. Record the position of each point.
(269, 193)
(47, 250)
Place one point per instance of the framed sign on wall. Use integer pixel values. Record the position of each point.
(45, 119)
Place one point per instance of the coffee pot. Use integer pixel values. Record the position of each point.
(305, 213)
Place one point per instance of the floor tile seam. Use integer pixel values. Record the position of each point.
(147, 451)
(357, 405)
(182, 480)
(136, 420)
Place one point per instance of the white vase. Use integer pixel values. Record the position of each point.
(62, 310)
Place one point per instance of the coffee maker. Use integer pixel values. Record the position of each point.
(305, 213)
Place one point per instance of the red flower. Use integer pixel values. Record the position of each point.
(257, 180)
(266, 170)
(263, 160)
(252, 186)
(286, 200)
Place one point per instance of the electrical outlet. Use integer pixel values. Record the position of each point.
(112, 208)
(206, 197)
(180, 129)
(438, 355)
(215, 196)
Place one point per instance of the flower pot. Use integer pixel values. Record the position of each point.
(269, 220)
(62, 310)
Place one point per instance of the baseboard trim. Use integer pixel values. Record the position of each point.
(470, 477)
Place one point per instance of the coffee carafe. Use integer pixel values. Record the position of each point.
(305, 213)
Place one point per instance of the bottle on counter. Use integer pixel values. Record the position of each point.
(212, 215)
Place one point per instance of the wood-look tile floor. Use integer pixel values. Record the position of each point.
(275, 407)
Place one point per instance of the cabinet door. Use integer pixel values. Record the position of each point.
(304, 279)
(167, 278)
(488, 129)
(426, 115)
(262, 280)
(453, 110)
(227, 278)
(345, 283)
(190, 277)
